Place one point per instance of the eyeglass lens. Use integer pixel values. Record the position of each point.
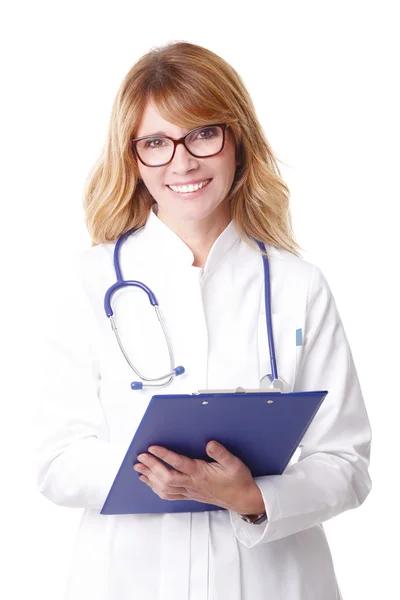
(202, 142)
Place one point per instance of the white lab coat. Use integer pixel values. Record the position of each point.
(87, 414)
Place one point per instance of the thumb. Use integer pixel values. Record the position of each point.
(220, 454)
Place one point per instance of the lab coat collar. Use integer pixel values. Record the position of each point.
(167, 243)
(170, 247)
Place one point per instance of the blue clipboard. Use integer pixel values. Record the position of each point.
(263, 429)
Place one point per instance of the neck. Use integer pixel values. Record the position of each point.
(200, 235)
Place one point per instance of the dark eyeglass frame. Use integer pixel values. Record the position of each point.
(177, 141)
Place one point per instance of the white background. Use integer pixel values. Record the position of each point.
(324, 80)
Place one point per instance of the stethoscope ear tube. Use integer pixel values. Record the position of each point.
(138, 385)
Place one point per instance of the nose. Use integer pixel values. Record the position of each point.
(183, 160)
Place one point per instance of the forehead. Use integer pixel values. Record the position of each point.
(152, 122)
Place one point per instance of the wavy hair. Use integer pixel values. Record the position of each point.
(191, 87)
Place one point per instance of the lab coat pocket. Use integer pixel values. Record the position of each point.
(287, 340)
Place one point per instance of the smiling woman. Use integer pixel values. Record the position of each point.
(172, 92)
(187, 170)
(204, 156)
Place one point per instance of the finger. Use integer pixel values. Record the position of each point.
(166, 476)
(182, 463)
(170, 494)
(221, 455)
(175, 493)
(142, 468)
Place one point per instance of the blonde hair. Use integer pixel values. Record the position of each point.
(191, 86)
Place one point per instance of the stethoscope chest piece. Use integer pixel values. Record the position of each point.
(268, 383)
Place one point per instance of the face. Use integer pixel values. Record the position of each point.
(173, 206)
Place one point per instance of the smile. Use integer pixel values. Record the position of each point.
(189, 189)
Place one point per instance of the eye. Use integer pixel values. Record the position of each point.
(206, 133)
(154, 143)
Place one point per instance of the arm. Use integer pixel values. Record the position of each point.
(331, 475)
(75, 463)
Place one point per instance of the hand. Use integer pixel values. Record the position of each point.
(227, 482)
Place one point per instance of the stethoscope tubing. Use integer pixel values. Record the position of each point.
(120, 283)
(268, 310)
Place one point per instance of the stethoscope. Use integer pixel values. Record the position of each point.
(275, 381)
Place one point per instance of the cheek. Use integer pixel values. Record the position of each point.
(229, 169)
(228, 162)
(152, 181)
(142, 171)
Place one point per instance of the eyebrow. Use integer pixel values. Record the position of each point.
(162, 133)
(157, 133)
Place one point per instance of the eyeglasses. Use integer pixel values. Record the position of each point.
(202, 142)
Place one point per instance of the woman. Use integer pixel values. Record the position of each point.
(194, 248)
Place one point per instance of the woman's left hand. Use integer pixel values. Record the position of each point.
(227, 482)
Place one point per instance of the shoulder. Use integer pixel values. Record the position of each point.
(288, 262)
(98, 261)
(91, 260)
(300, 278)
(81, 279)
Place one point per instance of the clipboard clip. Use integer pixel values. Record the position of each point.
(240, 390)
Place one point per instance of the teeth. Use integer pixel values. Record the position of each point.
(188, 188)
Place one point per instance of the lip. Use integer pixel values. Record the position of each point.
(191, 194)
(193, 182)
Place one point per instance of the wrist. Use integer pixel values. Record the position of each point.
(253, 503)
(255, 519)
